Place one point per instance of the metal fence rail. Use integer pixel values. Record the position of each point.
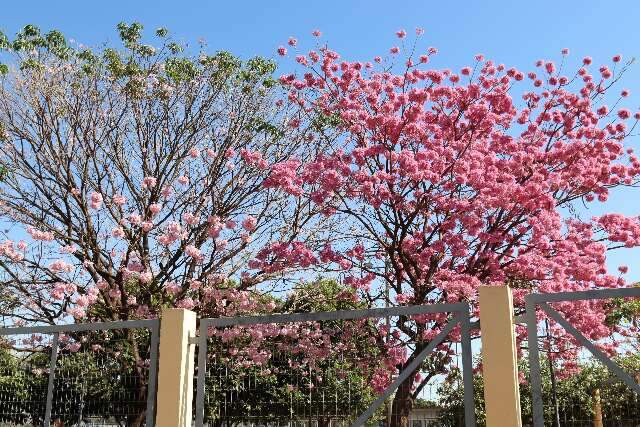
(82, 357)
(318, 406)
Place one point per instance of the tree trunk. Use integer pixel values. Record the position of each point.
(402, 405)
(142, 376)
(138, 419)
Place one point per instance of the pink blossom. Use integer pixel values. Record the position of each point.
(401, 34)
(190, 218)
(194, 253)
(96, 200)
(173, 288)
(624, 113)
(155, 208)
(60, 266)
(119, 199)
(249, 223)
(167, 191)
(118, 232)
(149, 182)
(146, 277)
(282, 51)
(134, 218)
(550, 67)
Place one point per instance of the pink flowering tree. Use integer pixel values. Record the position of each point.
(443, 181)
(138, 178)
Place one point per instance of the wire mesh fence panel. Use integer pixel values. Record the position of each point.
(588, 372)
(24, 373)
(102, 378)
(277, 382)
(329, 372)
(101, 374)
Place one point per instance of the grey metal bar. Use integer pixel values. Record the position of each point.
(615, 369)
(582, 295)
(534, 362)
(202, 369)
(337, 315)
(153, 374)
(50, 329)
(408, 370)
(467, 371)
(52, 375)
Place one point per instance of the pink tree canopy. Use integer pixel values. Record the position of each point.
(445, 180)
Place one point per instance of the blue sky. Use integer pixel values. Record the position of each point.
(514, 33)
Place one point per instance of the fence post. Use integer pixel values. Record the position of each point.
(175, 368)
(499, 357)
(597, 409)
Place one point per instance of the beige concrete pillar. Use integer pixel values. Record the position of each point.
(499, 357)
(175, 368)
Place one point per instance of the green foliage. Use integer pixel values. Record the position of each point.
(27, 382)
(3, 172)
(130, 34)
(4, 41)
(30, 38)
(258, 125)
(326, 121)
(138, 61)
(320, 295)
(574, 395)
(624, 311)
(181, 69)
(162, 32)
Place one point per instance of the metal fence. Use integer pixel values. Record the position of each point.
(619, 405)
(323, 376)
(97, 374)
